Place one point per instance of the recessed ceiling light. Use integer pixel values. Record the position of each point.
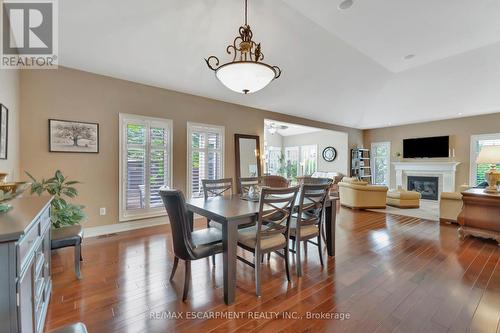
(346, 4)
(409, 56)
(460, 113)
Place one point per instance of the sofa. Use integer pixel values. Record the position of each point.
(360, 195)
(450, 205)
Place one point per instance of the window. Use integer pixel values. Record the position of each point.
(205, 155)
(274, 161)
(381, 161)
(145, 165)
(477, 141)
(300, 160)
(308, 160)
(292, 162)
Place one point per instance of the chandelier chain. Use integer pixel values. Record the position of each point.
(246, 14)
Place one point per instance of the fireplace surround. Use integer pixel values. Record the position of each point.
(444, 170)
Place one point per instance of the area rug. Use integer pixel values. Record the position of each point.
(429, 210)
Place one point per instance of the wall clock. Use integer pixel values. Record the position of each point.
(329, 154)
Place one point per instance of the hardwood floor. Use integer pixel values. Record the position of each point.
(391, 274)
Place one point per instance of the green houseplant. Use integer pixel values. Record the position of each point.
(62, 212)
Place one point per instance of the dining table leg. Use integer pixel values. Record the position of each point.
(330, 219)
(229, 242)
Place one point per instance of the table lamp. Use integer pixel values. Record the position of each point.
(490, 154)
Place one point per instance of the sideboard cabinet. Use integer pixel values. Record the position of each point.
(25, 273)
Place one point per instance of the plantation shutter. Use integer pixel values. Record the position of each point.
(205, 153)
(145, 165)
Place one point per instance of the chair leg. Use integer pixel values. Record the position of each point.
(174, 268)
(261, 258)
(78, 249)
(293, 244)
(187, 278)
(320, 250)
(208, 223)
(298, 262)
(213, 259)
(257, 273)
(287, 264)
(268, 256)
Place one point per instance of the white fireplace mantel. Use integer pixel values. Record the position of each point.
(445, 171)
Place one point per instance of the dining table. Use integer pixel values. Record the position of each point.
(231, 211)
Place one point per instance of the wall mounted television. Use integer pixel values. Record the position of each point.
(437, 146)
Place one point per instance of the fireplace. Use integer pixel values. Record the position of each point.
(428, 187)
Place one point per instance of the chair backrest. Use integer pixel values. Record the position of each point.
(244, 184)
(181, 230)
(217, 187)
(275, 209)
(275, 181)
(316, 181)
(311, 204)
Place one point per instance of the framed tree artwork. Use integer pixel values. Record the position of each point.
(73, 136)
(4, 131)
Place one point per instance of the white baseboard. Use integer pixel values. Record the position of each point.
(123, 226)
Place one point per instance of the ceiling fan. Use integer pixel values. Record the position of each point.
(273, 128)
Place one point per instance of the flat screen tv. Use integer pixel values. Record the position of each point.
(437, 146)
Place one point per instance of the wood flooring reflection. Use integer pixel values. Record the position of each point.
(391, 274)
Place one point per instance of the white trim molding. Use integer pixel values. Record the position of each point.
(445, 171)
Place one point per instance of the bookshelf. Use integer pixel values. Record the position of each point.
(360, 164)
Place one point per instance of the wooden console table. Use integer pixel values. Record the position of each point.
(480, 215)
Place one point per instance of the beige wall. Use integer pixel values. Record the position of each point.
(459, 130)
(76, 95)
(9, 96)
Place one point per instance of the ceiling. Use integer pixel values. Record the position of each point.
(344, 67)
(287, 129)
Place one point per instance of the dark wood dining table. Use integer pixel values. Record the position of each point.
(231, 212)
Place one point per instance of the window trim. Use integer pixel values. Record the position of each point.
(372, 161)
(189, 126)
(123, 214)
(473, 155)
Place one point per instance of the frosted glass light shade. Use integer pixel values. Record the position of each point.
(489, 154)
(245, 77)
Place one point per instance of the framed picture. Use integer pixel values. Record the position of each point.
(4, 131)
(73, 136)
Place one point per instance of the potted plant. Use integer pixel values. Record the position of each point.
(62, 212)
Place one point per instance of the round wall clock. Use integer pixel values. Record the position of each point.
(329, 154)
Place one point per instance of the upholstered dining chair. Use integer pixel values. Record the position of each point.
(274, 181)
(188, 245)
(271, 232)
(244, 184)
(307, 223)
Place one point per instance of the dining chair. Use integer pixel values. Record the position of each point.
(188, 245)
(319, 181)
(275, 181)
(307, 223)
(216, 188)
(271, 232)
(244, 184)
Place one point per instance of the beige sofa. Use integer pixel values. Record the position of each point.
(359, 195)
(450, 205)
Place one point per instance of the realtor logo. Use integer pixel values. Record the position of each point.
(29, 34)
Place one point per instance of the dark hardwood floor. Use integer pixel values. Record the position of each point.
(391, 274)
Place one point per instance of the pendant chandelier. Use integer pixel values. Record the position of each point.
(246, 73)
